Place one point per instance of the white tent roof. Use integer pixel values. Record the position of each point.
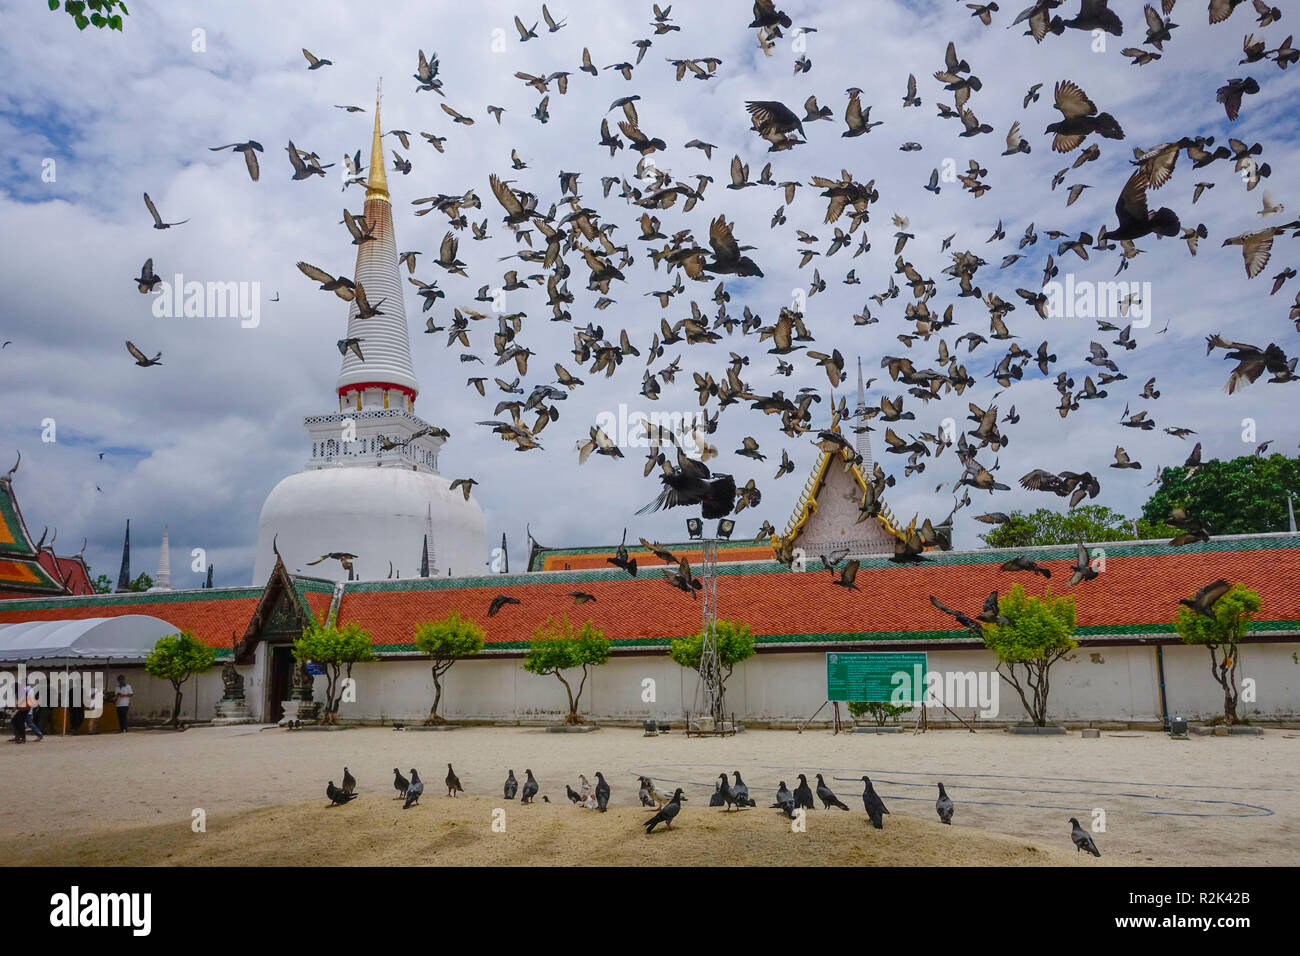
(125, 638)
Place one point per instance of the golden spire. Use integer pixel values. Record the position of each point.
(377, 182)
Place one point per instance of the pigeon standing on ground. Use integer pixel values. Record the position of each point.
(943, 806)
(1082, 839)
(349, 781)
(803, 794)
(453, 782)
(337, 796)
(876, 808)
(742, 792)
(715, 800)
(667, 814)
(827, 797)
(400, 783)
(414, 790)
(512, 785)
(644, 794)
(602, 792)
(728, 795)
(530, 788)
(784, 800)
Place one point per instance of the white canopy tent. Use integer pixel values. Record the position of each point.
(124, 639)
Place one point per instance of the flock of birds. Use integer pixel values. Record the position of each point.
(727, 794)
(553, 238)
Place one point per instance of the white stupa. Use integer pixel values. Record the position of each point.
(355, 497)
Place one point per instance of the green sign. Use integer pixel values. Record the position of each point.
(895, 678)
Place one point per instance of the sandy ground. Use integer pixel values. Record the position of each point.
(129, 798)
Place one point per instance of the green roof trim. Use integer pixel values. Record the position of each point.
(9, 517)
(1114, 549)
(541, 554)
(126, 599)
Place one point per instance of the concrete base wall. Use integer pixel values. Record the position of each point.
(1093, 684)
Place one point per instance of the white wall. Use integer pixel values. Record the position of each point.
(1095, 683)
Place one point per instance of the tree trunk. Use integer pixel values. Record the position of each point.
(434, 717)
(573, 704)
(1225, 672)
(176, 707)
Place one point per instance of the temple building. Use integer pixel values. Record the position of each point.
(370, 533)
(371, 490)
(31, 568)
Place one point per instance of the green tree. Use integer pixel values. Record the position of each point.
(102, 584)
(446, 641)
(1038, 633)
(557, 646)
(335, 649)
(1084, 523)
(1246, 495)
(735, 644)
(101, 13)
(175, 658)
(1232, 616)
(142, 583)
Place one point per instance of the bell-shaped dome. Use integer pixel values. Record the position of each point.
(380, 515)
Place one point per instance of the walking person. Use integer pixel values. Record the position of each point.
(32, 709)
(18, 722)
(123, 702)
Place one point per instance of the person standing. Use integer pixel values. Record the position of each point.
(123, 702)
(31, 709)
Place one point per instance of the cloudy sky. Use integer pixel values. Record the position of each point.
(198, 442)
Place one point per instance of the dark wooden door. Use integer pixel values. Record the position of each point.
(281, 684)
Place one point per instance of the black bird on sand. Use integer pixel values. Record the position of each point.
(573, 795)
(602, 792)
(784, 799)
(512, 785)
(667, 814)
(803, 794)
(715, 800)
(349, 781)
(1082, 839)
(741, 790)
(944, 806)
(728, 795)
(336, 795)
(453, 782)
(827, 796)
(414, 791)
(400, 783)
(876, 808)
(530, 788)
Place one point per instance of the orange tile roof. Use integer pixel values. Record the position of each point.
(210, 614)
(1136, 596)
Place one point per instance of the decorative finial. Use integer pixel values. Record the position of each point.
(377, 181)
(11, 471)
